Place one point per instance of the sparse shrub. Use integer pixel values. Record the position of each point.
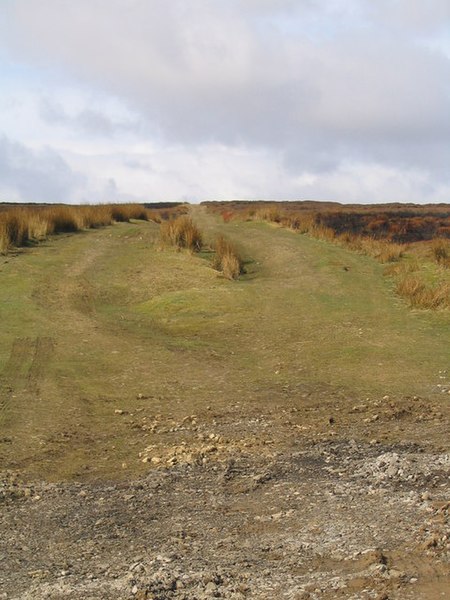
(227, 259)
(182, 233)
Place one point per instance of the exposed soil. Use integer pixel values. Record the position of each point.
(225, 516)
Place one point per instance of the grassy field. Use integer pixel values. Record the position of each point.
(105, 330)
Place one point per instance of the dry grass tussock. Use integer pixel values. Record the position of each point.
(227, 259)
(421, 295)
(22, 225)
(440, 250)
(181, 233)
(381, 250)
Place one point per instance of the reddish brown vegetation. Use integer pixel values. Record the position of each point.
(385, 232)
(397, 223)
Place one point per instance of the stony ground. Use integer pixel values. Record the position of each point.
(228, 515)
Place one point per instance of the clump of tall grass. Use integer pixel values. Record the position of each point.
(21, 225)
(383, 251)
(269, 213)
(227, 259)
(64, 219)
(402, 267)
(125, 212)
(421, 295)
(182, 233)
(92, 217)
(440, 250)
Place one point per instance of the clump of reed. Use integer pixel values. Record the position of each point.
(423, 295)
(25, 224)
(124, 212)
(182, 233)
(440, 250)
(381, 250)
(19, 226)
(227, 259)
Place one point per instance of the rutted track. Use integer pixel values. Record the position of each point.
(209, 439)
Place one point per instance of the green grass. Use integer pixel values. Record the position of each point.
(130, 318)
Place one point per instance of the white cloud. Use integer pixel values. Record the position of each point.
(306, 91)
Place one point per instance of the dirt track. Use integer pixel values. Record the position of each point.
(325, 520)
(168, 434)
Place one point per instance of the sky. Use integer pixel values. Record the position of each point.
(158, 100)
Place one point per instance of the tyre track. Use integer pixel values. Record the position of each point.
(43, 350)
(24, 369)
(14, 372)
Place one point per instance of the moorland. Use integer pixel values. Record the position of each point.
(225, 400)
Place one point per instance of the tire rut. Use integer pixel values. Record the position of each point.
(24, 369)
(14, 372)
(43, 350)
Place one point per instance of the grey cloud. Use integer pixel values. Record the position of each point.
(423, 17)
(138, 165)
(37, 176)
(88, 120)
(321, 83)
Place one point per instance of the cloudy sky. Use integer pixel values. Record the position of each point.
(118, 100)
